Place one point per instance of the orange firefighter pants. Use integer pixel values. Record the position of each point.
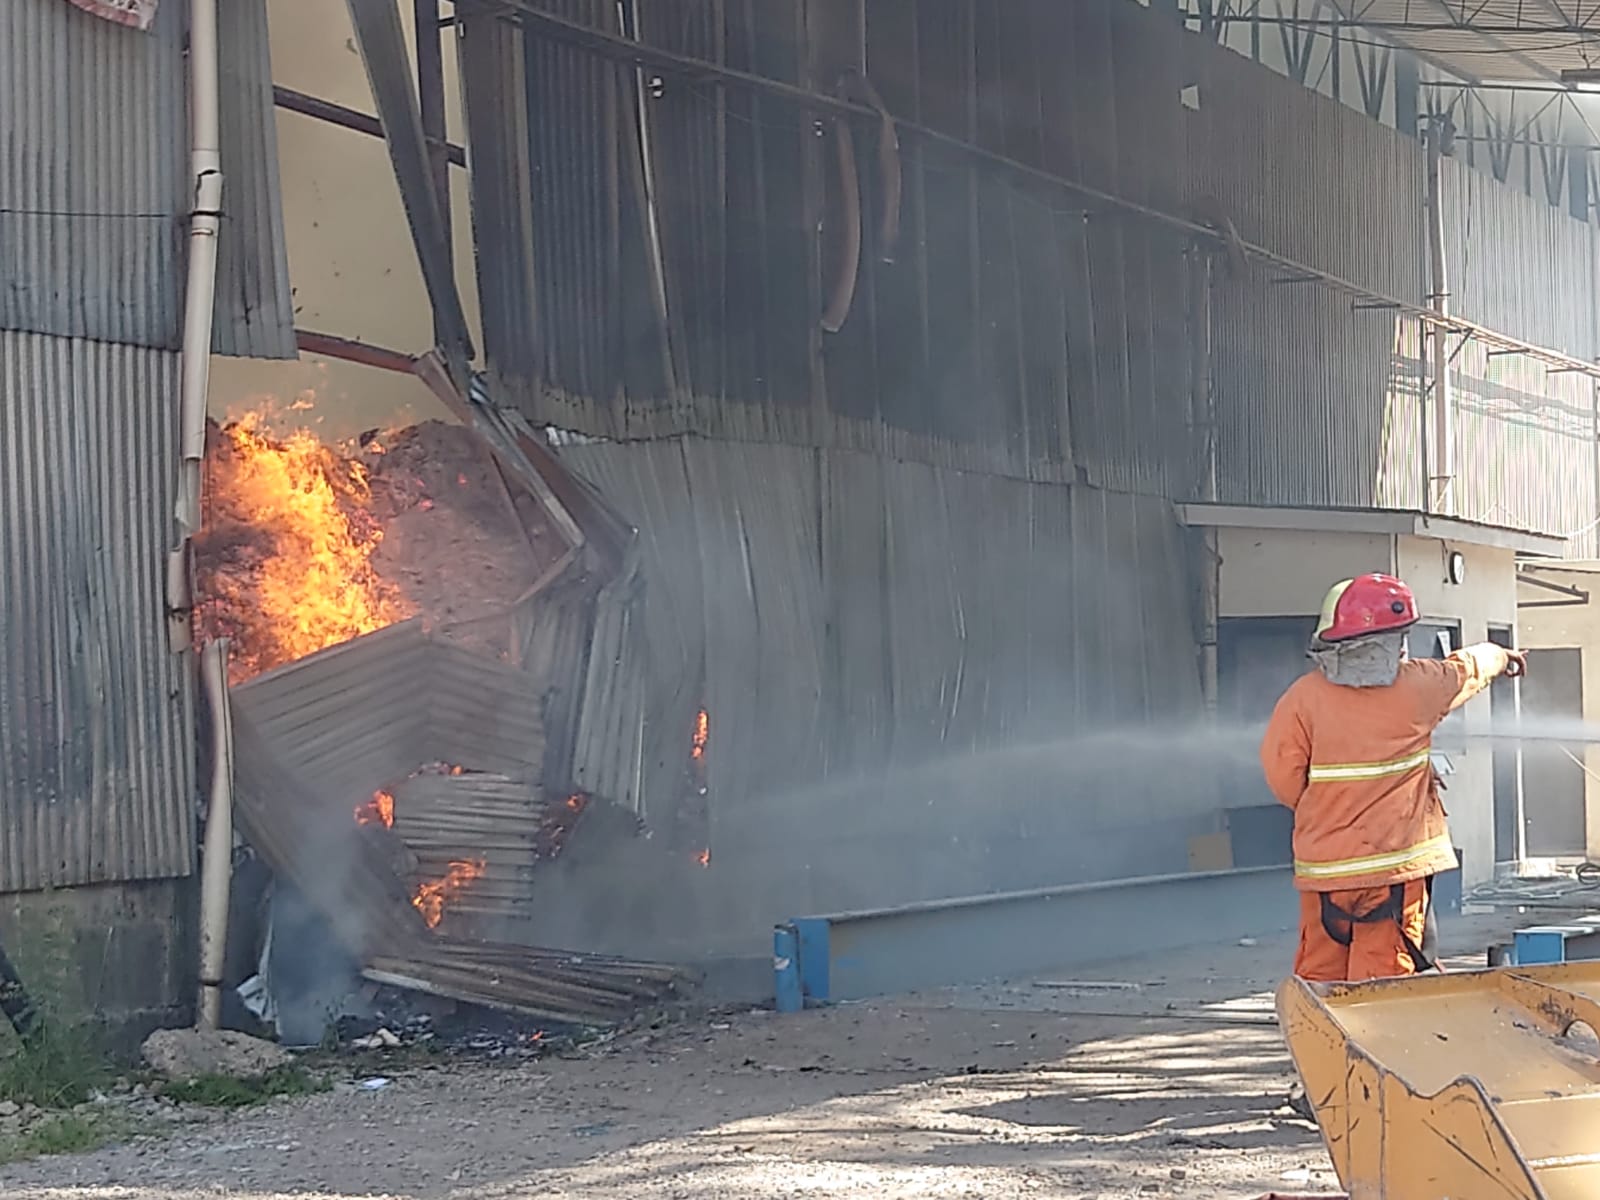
(1376, 950)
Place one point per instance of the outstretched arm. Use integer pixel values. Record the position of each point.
(1463, 674)
(1479, 666)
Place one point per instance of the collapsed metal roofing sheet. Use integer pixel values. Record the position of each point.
(313, 740)
(95, 195)
(96, 742)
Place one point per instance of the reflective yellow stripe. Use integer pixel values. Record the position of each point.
(1342, 868)
(1332, 772)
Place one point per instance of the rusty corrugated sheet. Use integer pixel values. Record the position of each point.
(95, 195)
(96, 743)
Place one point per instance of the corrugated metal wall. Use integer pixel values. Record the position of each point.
(847, 619)
(1527, 455)
(255, 307)
(1017, 331)
(94, 196)
(1010, 330)
(96, 740)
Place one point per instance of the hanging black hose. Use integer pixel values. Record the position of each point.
(15, 1002)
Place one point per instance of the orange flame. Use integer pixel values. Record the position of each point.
(377, 811)
(704, 857)
(702, 734)
(432, 896)
(575, 802)
(318, 587)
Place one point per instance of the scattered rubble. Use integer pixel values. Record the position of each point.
(184, 1054)
(402, 1020)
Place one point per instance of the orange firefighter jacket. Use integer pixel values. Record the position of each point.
(1353, 764)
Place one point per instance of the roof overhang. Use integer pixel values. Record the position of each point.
(1387, 521)
(1527, 42)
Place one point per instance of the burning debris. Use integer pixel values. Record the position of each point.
(474, 837)
(431, 897)
(389, 745)
(702, 735)
(377, 811)
(417, 905)
(289, 541)
(308, 544)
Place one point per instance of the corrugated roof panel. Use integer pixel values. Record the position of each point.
(95, 197)
(255, 307)
(96, 743)
(1530, 43)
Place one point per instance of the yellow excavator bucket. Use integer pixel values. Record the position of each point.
(1481, 1085)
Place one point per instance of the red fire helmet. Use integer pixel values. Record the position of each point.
(1366, 604)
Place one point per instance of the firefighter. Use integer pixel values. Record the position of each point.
(1348, 749)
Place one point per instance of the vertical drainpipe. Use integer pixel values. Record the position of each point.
(1439, 300)
(1203, 423)
(205, 158)
(216, 867)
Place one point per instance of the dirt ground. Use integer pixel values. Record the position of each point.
(1166, 1078)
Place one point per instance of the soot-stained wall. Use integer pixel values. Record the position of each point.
(919, 682)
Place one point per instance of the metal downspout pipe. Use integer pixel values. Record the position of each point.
(205, 218)
(216, 865)
(1437, 497)
(1203, 423)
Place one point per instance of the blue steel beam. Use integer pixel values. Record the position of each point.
(852, 955)
(1577, 941)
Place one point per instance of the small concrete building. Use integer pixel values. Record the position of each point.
(1273, 567)
(1559, 625)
